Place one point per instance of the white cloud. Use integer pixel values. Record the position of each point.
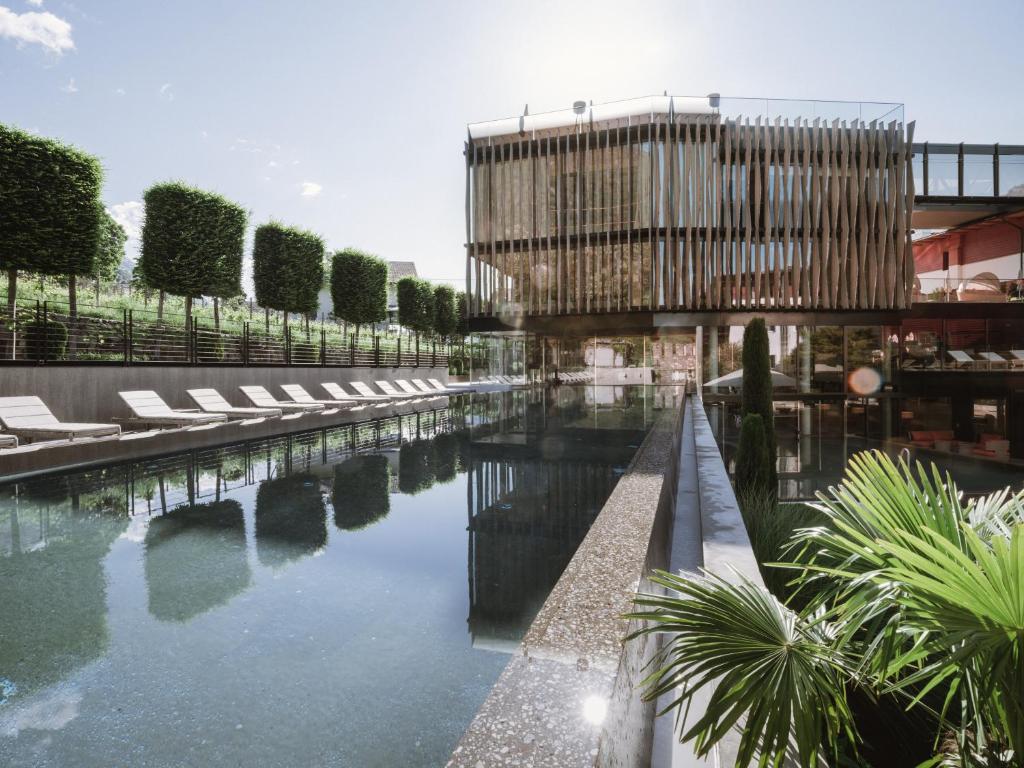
(31, 28)
(273, 164)
(70, 87)
(120, 91)
(310, 189)
(36, 3)
(166, 93)
(129, 216)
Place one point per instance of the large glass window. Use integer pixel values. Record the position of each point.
(865, 360)
(978, 175)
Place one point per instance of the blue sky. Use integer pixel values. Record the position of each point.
(349, 118)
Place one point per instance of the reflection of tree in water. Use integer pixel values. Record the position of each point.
(290, 519)
(446, 457)
(53, 604)
(415, 467)
(360, 496)
(195, 559)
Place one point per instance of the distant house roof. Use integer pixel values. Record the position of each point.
(399, 269)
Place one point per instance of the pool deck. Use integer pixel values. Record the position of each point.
(41, 457)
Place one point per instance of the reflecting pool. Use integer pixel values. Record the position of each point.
(340, 597)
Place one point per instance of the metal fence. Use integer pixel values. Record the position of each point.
(46, 333)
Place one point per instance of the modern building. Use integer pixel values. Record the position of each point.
(396, 271)
(638, 238)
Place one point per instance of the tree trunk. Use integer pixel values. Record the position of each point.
(216, 313)
(266, 316)
(160, 307)
(97, 290)
(188, 311)
(12, 290)
(72, 296)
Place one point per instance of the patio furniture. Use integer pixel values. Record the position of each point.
(992, 447)
(261, 398)
(961, 358)
(437, 386)
(1018, 358)
(212, 401)
(8, 441)
(994, 358)
(429, 390)
(364, 389)
(148, 407)
(28, 417)
(336, 391)
(405, 386)
(297, 393)
(386, 388)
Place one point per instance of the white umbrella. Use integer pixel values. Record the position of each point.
(735, 380)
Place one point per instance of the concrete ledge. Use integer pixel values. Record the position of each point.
(569, 698)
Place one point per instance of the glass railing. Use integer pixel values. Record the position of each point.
(980, 289)
(969, 170)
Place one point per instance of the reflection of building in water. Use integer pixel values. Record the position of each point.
(195, 559)
(290, 519)
(526, 519)
(53, 604)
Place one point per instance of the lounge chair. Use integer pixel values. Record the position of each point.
(299, 394)
(8, 441)
(259, 397)
(148, 407)
(1018, 357)
(336, 391)
(212, 401)
(29, 417)
(961, 358)
(405, 386)
(431, 390)
(454, 386)
(387, 389)
(994, 359)
(364, 389)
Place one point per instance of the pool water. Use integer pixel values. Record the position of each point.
(338, 597)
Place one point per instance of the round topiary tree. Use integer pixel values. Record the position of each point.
(415, 304)
(757, 386)
(359, 287)
(287, 269)
(445, 317)
(192, 242)
(50, 219)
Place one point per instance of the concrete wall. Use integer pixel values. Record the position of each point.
(88, 393)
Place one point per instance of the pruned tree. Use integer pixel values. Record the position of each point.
(287, 269)
(192, 242)
(49, 209)
(415, 304)
(110, 252)
(462, 315)
(359, 287)
(757, 387)
(445, 318)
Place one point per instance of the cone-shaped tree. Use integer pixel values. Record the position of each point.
(49, 208)
(416, 304)
(757, 385)
(359, 287)
(287, 268)
(192, 242)
(753, 470)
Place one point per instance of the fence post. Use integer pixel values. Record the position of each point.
(131, 336)
(417, 349)
(46, 333)
(376, 351)
(245, 338)
(287, 346)
(398, 353)
(433, 353)
(323, 350)
(351, 352)
(124, 337)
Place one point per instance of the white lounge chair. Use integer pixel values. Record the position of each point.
(1018, 357)
(406, 387)
(148, 407)
(364, 389)
(259, 397)
(961, 358)
(336, 391)
(29, 417)
(458, 386)
(298, 393)
(387, 389)
(8, 441)
(994, 358)
(428, 389)
(212, 401)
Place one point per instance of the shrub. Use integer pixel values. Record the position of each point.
(416, 304)
(359, 287)
(455, 366)
(287, 265)
(753, 473)
(45, 340)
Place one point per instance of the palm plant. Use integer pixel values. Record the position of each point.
(909, 591)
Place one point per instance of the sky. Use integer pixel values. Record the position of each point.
(348, 118)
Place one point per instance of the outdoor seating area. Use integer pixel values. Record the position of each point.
(28, 423)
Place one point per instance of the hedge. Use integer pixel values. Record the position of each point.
(359, 287)
(361, 494)
(445, 318)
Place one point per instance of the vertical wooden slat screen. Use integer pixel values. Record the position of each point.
(684, 212)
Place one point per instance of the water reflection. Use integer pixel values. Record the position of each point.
(195, 559)
(192, 577)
